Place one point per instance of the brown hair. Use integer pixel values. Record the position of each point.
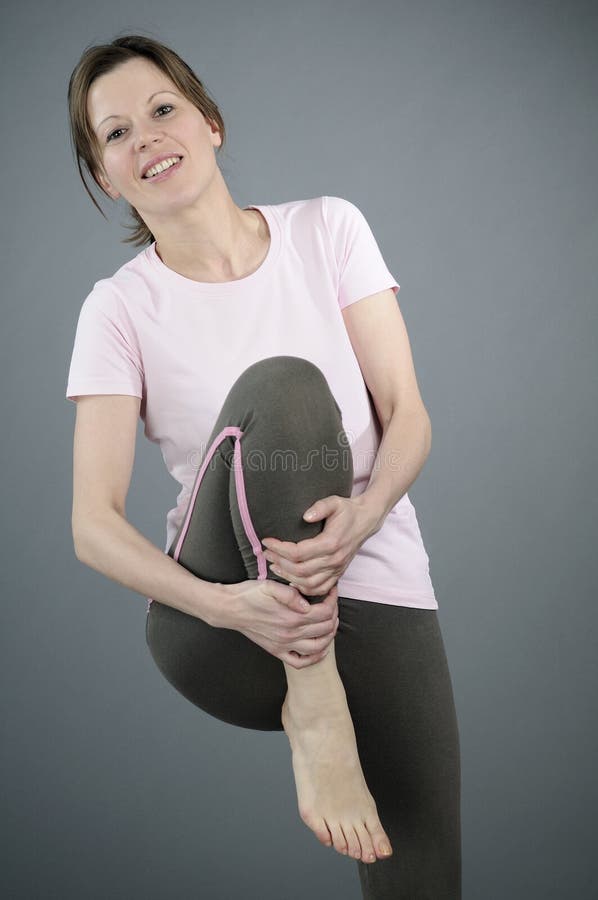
(101, 58)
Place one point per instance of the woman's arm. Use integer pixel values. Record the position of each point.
(103, 456)
(403, 450)
(379, 338)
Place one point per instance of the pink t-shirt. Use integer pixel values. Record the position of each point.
(180, 344)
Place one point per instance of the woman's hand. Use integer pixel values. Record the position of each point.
(314, 566)
(274, 617)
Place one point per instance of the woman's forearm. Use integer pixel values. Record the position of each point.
(403, 450)
(109, 544)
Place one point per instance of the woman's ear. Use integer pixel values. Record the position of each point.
(107, 187)
(214, 132)
(105, 184)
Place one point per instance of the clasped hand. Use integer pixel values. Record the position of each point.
(314, 565)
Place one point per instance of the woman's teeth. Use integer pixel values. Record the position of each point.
(159, 167)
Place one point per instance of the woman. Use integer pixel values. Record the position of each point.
(236, 336)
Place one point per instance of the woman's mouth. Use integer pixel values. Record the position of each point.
(166, 173)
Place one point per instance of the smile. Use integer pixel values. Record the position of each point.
(161, 176)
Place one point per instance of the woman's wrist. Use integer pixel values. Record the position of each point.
(217, 604)
(373, 516)
(208, 600)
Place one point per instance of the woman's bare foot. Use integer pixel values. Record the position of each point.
(334, 799)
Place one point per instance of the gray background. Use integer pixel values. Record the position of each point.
(465, 132)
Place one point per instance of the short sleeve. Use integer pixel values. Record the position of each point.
(361, 267)
(105, 357)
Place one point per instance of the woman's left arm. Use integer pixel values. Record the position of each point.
(378, 334)
(379, 338)
(404, 448)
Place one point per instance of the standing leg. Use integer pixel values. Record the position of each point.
(393, 664)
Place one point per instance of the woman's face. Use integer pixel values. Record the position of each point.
(132, 129)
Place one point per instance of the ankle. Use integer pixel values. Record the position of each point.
(316, 678)
(312, 704)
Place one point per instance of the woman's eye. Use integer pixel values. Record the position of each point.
(163, 106)
(112, 133)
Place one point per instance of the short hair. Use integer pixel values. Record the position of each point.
(99, 59)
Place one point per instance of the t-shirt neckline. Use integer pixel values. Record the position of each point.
(224, 288)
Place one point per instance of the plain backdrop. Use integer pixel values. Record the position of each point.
(466, 133)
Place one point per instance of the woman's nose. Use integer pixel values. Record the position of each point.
(146, 136)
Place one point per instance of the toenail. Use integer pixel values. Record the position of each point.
(356, 853)
(384, 848)
(372, 856)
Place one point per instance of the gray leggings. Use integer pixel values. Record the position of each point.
(391, 659)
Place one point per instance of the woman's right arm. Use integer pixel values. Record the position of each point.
(103, 456)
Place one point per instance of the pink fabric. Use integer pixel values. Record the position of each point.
(256, 544)
(180, 344)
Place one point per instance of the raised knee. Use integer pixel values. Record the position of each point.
(295, 379)
(278, 374)
(294, 368)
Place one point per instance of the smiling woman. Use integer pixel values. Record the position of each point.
(240, 336)
(89, 137)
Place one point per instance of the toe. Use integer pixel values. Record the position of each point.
(320, 830)
(338, 838)
(368, 854)
(378, 837)
(353, 842)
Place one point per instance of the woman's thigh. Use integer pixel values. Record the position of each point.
(277, 446)
(394, 669)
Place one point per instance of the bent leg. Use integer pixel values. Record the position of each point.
(277, 446)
